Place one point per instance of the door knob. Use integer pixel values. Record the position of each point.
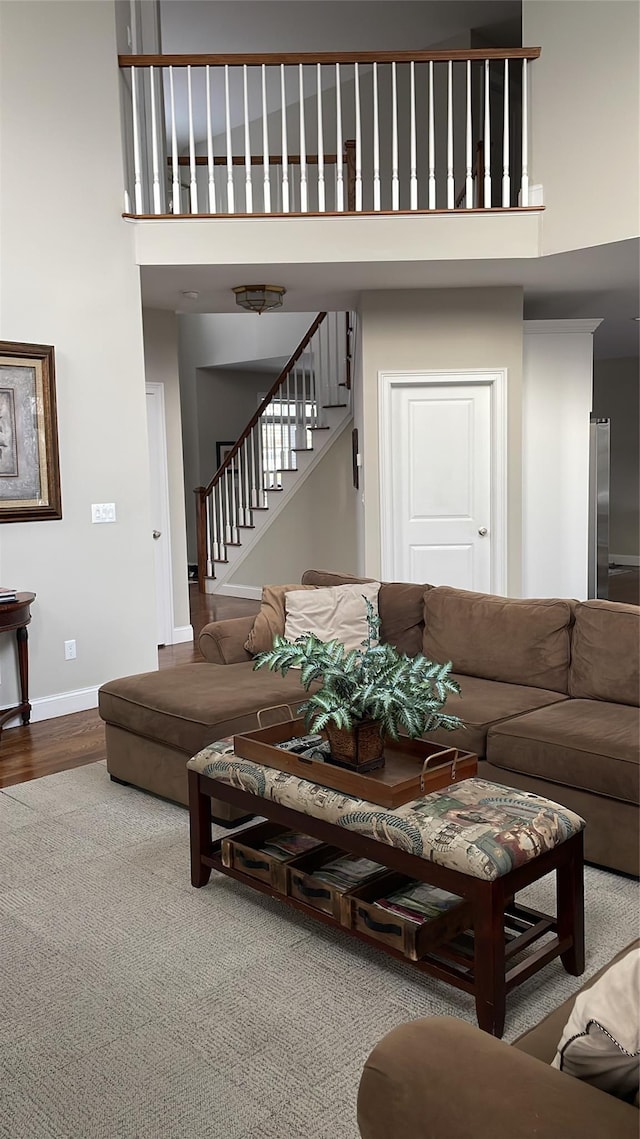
(482, 531)
(158, 534)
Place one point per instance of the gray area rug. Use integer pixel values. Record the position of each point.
(135, 1007)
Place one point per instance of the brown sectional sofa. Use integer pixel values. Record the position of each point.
(550, 700)
(443, 1077)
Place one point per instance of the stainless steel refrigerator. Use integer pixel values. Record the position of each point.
(599, 461)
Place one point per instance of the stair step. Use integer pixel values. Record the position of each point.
(318, 429)
(286, 470)
(244, 526)
(302, 448)
(221, 561)
(274, 489)
(326, 405)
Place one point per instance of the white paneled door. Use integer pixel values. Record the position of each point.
(441, 516)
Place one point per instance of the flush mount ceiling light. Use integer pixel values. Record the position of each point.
(259, 298)
(190, 294)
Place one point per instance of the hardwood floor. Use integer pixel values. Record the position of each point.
(70, 741)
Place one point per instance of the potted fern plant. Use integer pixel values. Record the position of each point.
(366, 693)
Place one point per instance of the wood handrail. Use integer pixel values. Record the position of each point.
(202, 492)
(256, 59)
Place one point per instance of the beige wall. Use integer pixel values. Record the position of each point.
(616, 390)
(69, 279)
(161, 366)
(441, 329)
(315, 530)
(584, 119)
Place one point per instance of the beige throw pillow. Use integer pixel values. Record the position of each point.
(338, 613)
(601, 1039)
(269, 622)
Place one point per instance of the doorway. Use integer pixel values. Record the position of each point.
(160, 534)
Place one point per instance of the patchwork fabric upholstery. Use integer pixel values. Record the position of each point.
(478, 828)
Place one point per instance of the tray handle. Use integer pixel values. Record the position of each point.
(274, 708)
(451, 754)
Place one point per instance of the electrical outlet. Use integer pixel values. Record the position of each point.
(69, 650)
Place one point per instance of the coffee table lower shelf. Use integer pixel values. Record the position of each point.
(501, 948)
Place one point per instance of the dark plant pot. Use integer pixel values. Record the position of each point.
(361, 747)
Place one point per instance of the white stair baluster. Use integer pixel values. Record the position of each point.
(207, 521)
(193, 185)
(321, 188)
(451, 188)
(432, 143)
(227, 516)
(524, 182)
(265, 146)
(157, 206)
(506, 179)
(395, 180)
(285, 162)
(303, 154)
(248, 185)
(487, 137)
(175, 169)
(339, 161)
(376, 142)
(358, 186)
(469, 145)
(210, 163)
(413, 172)
(137, 175)
(227, 114)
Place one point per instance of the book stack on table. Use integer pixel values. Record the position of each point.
(7, 594)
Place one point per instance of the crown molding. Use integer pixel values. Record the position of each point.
(538, 327)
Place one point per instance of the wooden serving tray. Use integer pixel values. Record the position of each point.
(412, 768)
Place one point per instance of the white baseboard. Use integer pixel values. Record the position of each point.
(250, 592)
(624, 560)
(181, 634)
(63, 704)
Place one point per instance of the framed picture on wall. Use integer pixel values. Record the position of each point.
(222, 450)
(29, 464)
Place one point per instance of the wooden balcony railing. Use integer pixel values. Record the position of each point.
(368, 131)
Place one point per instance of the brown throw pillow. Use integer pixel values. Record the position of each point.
(269, 622)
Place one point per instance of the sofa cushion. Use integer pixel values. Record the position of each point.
(400, 605)
(191, 705)
(486, 702)
(499, 638)
(269, 621)
(335, 613)
(605, 652)
(580, 743)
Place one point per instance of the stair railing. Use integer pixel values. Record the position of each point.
(316, 377)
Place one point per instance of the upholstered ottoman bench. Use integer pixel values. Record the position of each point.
(478, 840)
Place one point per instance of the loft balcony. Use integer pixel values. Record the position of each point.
(430, 133)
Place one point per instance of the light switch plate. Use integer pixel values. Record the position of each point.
(103, 511)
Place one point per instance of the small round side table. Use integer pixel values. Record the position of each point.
(17, 615)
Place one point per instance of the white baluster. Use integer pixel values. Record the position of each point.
(432, 143)
(193, 186)
(469, 145)
(227, 518)
(506, 180)
(207, 520)
(227, 115)
(265, 145)
(358, 182)
(214, 526)
(175, 169)
(210, 163)
(137, 175)
(451, 188)
(487, 137)
(376, 142)
(303, 153)
(319, 368)
(413, 173)
(321, 189)
(285, 163)
(339, 162)
(524, 182)
(395, 180)
(336, 345)
(157, 207)
(248, 185)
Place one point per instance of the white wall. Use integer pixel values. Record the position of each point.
(69, 279)
(441, 329)
(227, 399)
(161, 366)
(616, 391)
(585, 118)
(557, 401)
(315, 530)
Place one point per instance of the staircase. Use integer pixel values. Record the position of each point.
(308, 406)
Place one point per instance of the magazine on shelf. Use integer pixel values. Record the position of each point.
(344, 873)
(285, 845)
(419, 902)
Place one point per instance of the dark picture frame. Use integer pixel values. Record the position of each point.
(222, 450)
(29, 458)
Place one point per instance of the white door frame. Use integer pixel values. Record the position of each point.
(166, 601)
(496, 378)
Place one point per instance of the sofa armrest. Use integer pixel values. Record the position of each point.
(444, 1077)
(222, 642)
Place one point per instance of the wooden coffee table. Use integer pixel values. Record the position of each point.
(504, 947)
